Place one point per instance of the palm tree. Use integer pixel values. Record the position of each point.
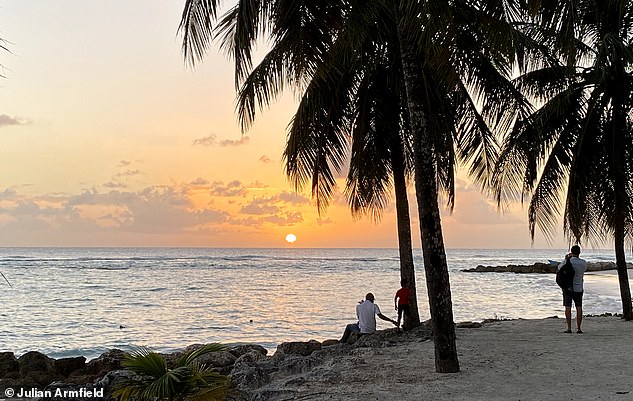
(581, 137)
(363, 107)
(367, 188)
(188, 380)
(448, 54)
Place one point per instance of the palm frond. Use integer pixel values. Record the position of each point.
(318, 137)
(145, 362)
(189, 357)
(188, 380)
(196, 27)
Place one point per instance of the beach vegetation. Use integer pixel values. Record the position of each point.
(187, 380)
(575, 151)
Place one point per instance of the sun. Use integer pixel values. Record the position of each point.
(291, 238)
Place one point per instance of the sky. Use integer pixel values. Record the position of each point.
(108, 138)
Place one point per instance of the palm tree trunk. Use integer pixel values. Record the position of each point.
(623, 275)
(621, 203)
(407, 268)
(435, 267)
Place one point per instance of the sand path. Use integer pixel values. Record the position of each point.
(505, 360)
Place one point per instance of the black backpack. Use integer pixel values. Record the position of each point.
(565, 275)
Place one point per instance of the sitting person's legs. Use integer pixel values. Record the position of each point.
(349, 329)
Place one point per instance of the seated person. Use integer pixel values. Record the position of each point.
(366, 311)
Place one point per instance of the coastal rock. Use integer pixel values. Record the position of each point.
(220, 359)
(101, 389)
(242, 349)
(249, 377)
(37, 370)
(298, 348)
(249, 358)
(35, 361)
(9, 366)
(296, 364)
(330, 342)
(106, 362)
(255, 375)
(468, 325)
(535, 268)
(111, 380)
(66, 366)
(540, 268)
(73, 392)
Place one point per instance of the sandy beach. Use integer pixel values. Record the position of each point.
(503, 360)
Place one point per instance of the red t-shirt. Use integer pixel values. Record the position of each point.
(403, 296)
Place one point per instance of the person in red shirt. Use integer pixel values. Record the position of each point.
(401, 302)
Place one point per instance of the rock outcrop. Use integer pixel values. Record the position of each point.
(297, 363)
(540, 268)
(36, 370)
(255, 375)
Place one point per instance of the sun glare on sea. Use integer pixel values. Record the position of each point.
(291, 238)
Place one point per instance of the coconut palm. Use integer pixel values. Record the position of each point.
(581, 137)
(452, 53)
(367, 191)
(353, 102)
(188, 380)
(458, 132)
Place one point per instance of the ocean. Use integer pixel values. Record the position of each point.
(83, 301)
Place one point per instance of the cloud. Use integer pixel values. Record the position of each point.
(206, 141)
(261, 206)
(153, 210)
(8, 194)
(199, 182)
(6, 120)
(473, 208)
(227, 142)
(128, 173)
(258, 185)
(273, 210)
(265, 159)
(233, 188)
(168, 210)
(293, 198)
(113, 214)
(120, 179)
(212, 140)
(114, 185)
(273, 204)
(323, 221)
(285, 219)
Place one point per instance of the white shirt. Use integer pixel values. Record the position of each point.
(580, 266)
(366, 313)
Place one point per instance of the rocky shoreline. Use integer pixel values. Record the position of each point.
(540, 268)
(255, 374)
(390, 365)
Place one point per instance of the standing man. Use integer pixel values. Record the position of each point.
(574, 293)
(366, 311)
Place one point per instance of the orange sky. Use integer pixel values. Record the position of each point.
(108, 139)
